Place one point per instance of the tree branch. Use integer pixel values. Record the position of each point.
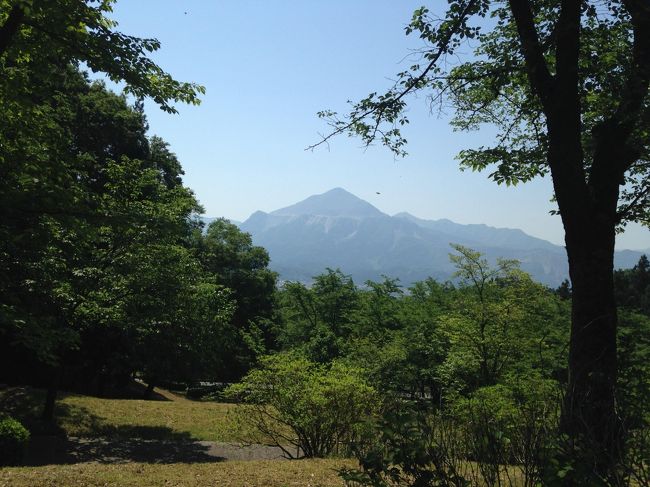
(638, 83)
(380, 108)
(614, 154)
(539, 75)
(628, 209)
(568, 53)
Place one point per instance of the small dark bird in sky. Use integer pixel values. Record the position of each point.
(185, 13)
(377, 192)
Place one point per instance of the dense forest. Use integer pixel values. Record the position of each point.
(108, 276)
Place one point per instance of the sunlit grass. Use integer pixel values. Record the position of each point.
(304, 473)
(87, 416)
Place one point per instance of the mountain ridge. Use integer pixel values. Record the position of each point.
(337, 229)
(335, 202)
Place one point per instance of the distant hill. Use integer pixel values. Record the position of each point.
(339, 230)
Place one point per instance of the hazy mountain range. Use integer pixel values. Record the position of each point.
(339, 230)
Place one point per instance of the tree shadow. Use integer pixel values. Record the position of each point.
(26, 404)
(53, 450)
(102, 442)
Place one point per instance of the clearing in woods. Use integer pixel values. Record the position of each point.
(169, 441)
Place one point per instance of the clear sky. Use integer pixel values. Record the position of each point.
(269, 66)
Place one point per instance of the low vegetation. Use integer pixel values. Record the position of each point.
(304, 408)
(13, 441)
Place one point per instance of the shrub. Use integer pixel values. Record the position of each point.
(500, 435)
(307, 409)
(13, 441)
(411, 447)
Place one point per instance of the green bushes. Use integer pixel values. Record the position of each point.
(13, 441)
(410, 447)
(510, 425)
(499, 435)
(307, 409)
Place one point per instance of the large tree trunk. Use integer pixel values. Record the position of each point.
(148, 392)
(50, 395)
(587, 199)
(589, 416)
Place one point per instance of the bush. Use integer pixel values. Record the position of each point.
(307, 409)
(411, 447)
(210, 391)
(500, 435)
(13, 441)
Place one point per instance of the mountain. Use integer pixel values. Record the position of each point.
(500, 237)
(336, 202)
(339, 230)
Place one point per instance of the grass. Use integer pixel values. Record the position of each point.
(175, 419)
(304, 473)
(85, 416)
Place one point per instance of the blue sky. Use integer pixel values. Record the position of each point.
(269, 66)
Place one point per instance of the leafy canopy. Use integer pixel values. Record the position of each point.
(48, 33)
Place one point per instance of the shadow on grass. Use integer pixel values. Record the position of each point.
(53, 450)
(102, 442)
(26, 405)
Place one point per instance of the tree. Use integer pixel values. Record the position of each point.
(95, 226)
(47, 34)
(381, 306)
(633, 286)
(320, 319)
(229, 255)
(566, 85)
(62, 162)
(502, 326)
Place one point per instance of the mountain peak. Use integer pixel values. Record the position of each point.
(335, 202)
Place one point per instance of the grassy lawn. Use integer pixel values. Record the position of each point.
(176, 419)
(304, 473)
(86, 416)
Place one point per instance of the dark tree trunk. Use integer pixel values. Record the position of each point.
(588, 207)
(148, 392)
(101, 385)
(589, 416)
(50, 396)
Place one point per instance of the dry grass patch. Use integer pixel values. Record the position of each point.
(304, 473)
